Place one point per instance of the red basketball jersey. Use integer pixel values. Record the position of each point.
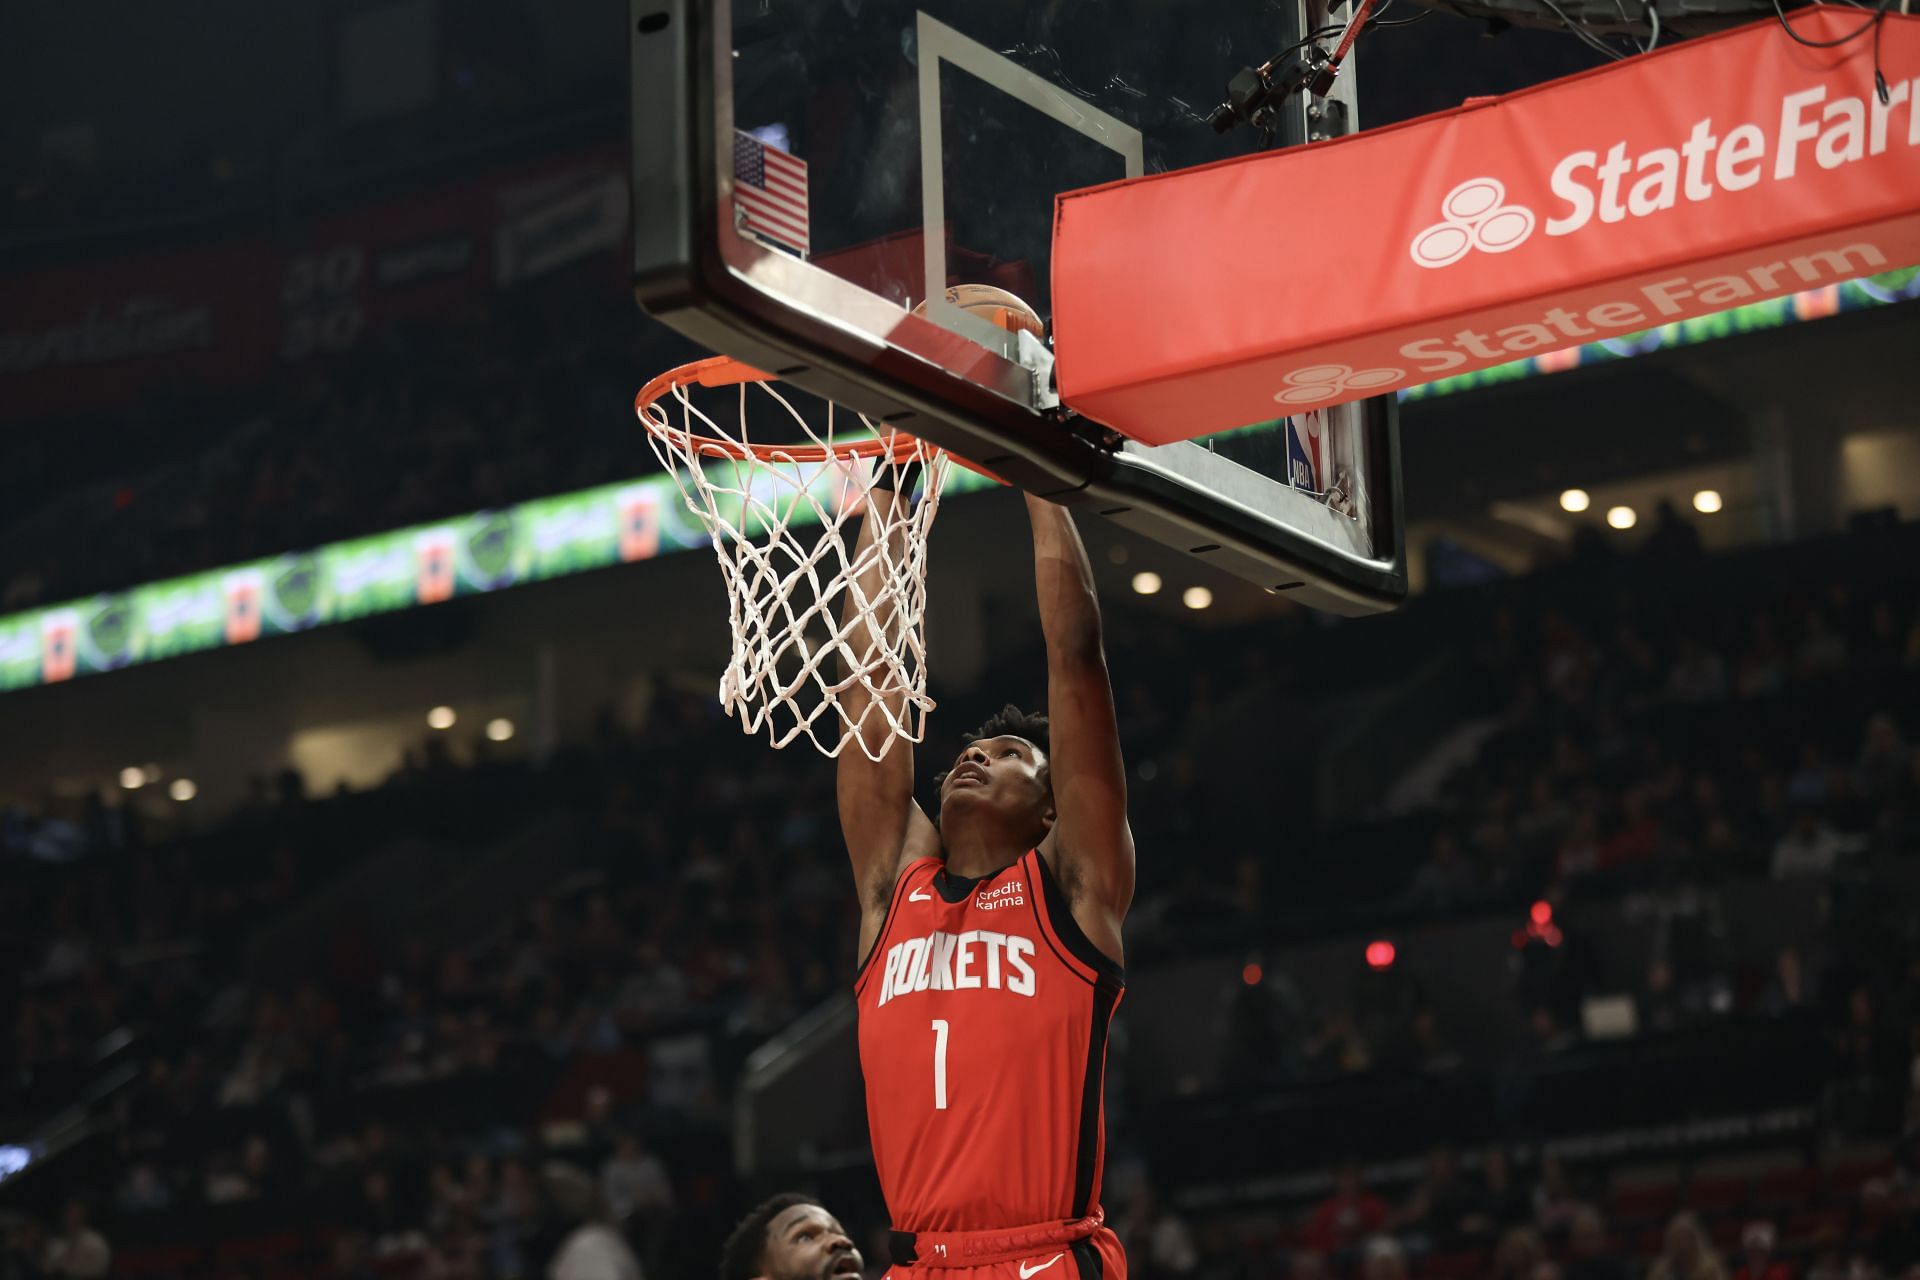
(983, 1039)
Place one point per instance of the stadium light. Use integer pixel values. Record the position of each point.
(1622, 517)
(1574, 500)
(1380, 955)
(183, 790)
(441, 718)
(1146, 582)
(1196, 597)
(1707, 501)
(499, 729)
(1251, 975)
(133, 777)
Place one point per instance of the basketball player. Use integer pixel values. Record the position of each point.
(991, 959)
(789, 1237)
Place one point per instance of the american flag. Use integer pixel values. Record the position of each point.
(770, 192)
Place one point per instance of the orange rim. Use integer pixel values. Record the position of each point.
(725, 371)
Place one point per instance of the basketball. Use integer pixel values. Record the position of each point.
(996, 306)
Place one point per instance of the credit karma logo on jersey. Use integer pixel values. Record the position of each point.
(1811, 133)
(1011, 894)
(978, 959)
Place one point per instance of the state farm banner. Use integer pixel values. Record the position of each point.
(1706, 175)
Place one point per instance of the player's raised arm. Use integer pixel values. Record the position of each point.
(1091, 846)
(883, 826)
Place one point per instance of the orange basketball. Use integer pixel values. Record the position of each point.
(996, 306)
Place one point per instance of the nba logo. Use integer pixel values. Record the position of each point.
(433, 560)
(1303, 452)
(58, 658)
(639, 523)
(243, 606)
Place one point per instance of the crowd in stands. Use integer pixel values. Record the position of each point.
(466, 1101)
(516, 395)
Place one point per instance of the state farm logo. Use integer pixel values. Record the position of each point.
(1476, 216)
(1325, 381)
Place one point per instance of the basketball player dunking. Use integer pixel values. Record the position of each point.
(991, 960)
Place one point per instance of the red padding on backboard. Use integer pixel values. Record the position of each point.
(1708, 174)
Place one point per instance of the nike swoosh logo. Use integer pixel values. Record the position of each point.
(1026, 1270)
(919, 895)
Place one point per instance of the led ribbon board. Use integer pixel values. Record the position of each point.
(1707, 175)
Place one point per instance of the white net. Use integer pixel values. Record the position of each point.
(785, 521)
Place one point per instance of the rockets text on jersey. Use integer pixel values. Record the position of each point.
(974, 960)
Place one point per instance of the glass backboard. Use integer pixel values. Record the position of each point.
(806, 172)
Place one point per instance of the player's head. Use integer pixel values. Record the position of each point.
(1003, 768)
(789, 1237)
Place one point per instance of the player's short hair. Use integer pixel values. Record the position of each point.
(1008, 722)
(746, 1249)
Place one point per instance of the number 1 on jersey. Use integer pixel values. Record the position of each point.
(939, 1064)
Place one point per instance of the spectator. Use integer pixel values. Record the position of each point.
(1698, 674)
(1162, 1236)
(634, 1181)
(1896, 1245)
(1383, 1259)
(1498, 1202)
(257, 1167)
(78, 1252)
(1517, 1254)
(1444, 881)
(1673, 539)
(1686, 1255)
(1822, 649)
(591, 1249)
(1791, 991)
(1338, 1048)
(1436, 1215)
(1347, 1216)
(1422, 1047)
(1306, 1264)
(1554, 1203)
(639, 1195)
(26, 1248)
(1757, 1260)
(1809, 848)
(1260, 1028)
(144, 1189)
(1807, 785)
(1884, 756)
(1763, 666)
(1590, 1254)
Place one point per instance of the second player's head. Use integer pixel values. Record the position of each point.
(789, 1237)
(1002, 778)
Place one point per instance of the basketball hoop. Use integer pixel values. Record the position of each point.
(794, 659)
